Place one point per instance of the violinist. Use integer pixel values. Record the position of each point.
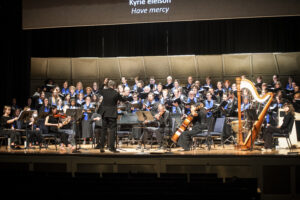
(198, 124)
(161, 121)
(54, 126)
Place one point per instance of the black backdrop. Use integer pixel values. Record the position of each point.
(176, 38)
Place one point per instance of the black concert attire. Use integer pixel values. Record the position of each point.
(108, 111)
(286, 126)
(199, 124)
(14, 135)
(86, 121)
(160, 127)
(59, 132)
(296, 105)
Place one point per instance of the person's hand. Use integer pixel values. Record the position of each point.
(37, 129)
(268, 125)
(16, 118)
(59, 125)
(175, 104)
(145, 122)
(97, 118)
(157, 116)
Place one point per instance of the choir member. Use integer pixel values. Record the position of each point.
(95, 90)
(209, 104)
(45, 108)
(190, 83)
(86, 121)
(169, 84)
(72, 91)
(79, 88)
(65, 90)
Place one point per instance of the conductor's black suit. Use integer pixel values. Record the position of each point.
(108, 111)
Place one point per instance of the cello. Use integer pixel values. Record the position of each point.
(186, 122)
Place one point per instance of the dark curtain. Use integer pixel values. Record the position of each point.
(175, 38)
(14, 55)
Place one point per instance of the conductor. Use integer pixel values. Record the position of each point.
(108, 111)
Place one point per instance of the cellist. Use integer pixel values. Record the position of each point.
(197, 125)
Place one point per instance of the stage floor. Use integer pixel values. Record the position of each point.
(124, 150)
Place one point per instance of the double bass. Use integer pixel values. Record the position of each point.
(186, 122)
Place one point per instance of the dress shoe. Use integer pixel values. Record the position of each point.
(102, 150)
(98, 146)
(114, 151)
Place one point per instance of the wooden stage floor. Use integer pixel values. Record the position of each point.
(227, 150)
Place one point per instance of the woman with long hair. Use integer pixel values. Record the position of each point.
(288, 121)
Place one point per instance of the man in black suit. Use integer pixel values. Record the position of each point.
(108, 111)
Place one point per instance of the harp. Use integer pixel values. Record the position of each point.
(246, 142)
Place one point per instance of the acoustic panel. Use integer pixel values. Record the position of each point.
(109, 67)
(237, 65)
(182, 66)
(132, 66)
(38, 68)
(209, 65)
(264, 64)
(59, 68)
(288, 63)
(157, 66)
(85, 68)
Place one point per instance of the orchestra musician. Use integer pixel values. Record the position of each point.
(53, 125)
(198, 124)
(284, 128)
(161, 122)
(7, 123)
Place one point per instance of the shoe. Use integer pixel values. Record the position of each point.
(114, 151)
(138, 147)
(102, 150)
(98, 146)
(15, 147)
(266, 149)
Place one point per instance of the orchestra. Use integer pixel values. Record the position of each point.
(107, 102)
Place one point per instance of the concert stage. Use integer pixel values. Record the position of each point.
(277, 172)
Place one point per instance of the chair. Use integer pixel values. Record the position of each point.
(203, 135)
(212, 134)
(285, 135)
(217, 133)
(46, 136)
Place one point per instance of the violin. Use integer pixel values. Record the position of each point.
(60, 115)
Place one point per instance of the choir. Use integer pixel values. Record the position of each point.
(162, 100)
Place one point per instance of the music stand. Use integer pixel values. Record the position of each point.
(75, 114)
(251, 117)
(25, 117)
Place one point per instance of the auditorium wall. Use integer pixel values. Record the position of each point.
(219, 67)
